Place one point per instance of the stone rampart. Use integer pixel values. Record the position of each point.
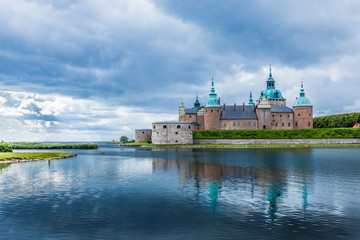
(279, 141)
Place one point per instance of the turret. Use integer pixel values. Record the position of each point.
(196, 103)
(251, 102)
(303, 111)
(212, 111)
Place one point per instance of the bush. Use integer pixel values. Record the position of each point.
(24, 145)
(5, 147)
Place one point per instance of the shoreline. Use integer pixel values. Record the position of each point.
(17, 160)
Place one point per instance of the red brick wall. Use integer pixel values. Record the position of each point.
(212, 115)
(303, 115)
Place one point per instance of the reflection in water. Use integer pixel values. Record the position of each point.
(266, 178)
(3, 166)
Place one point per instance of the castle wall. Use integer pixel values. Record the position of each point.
(200, 121)
(143, 135)
(282, 121)
(303, 117)
(228, 124)
(212, 118)
(190, 118)
(164, 133)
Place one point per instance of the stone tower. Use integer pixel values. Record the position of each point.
(212, 111)
(263, 112)
(303, 111)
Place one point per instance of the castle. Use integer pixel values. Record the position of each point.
(269, 112)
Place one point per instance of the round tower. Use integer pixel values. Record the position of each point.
(212, 111)
(303, 111)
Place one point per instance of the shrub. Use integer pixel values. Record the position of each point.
(5, 147)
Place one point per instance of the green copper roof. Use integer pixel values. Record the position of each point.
(270, 92)
(251, 102)
(212, 101)
(302, 100)
(196, 103)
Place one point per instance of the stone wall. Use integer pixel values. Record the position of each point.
(278, 141)
(164, 133)
(143, 135)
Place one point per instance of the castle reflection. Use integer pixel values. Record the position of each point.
(267, 178)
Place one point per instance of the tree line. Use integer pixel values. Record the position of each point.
(337, 121)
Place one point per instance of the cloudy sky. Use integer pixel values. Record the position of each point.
(92, 70)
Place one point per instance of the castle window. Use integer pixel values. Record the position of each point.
(280, 115)
(276, 124)
(239, 124)
(164, 126)
(234, 124)
(154, 126)
(244, 124)
(200, 124)
(288, 116)
(211, 110)
(273, 115)
(309, 124)
(254, 124)
(207, 124)
(176, 140)
(206, 110)
(295, 124)
(176, 133)
(224, 124)
(299, 114)
(288, 124)
(215, 123)
(249, 124)
(178, 126)
(189, 127)
(310, 115)
(282, 124)
(218, 110)
(200, 117)
(143, 132)
(190, 116)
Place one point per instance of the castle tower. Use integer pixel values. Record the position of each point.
(273, 95)
(303, 111)
(212, 111)
(263, 112)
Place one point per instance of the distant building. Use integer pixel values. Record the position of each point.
(269, 112)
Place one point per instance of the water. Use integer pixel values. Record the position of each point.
(127, 193)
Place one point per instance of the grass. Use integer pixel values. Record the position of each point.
(319, 133)
(27, 145)
(29, 155)
(133, 144)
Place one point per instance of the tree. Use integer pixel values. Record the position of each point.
(124, 139)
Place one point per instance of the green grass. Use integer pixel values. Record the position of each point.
(132, 144)
(29, 155)
(279, 134)
(27, 145)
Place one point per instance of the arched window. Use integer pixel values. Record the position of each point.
(154, 126)
(178, 126)
(189, 127)
(164, 126)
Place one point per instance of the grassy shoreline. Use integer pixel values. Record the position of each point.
(14, 157)
(240, 145)
(30, 145)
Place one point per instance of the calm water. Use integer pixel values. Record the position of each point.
(127, 193)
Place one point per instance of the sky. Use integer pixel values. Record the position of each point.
(93, 70)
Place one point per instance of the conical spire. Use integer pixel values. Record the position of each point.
(251, 102)
(270, 83)
(302, 100)
(212, 101)
(196, 103)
